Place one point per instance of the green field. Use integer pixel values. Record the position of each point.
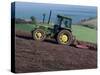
(81, 33)
(84, 33)
(25, 27)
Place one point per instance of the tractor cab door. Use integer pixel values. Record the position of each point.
(58, 24)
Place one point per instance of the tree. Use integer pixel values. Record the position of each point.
(33, 19)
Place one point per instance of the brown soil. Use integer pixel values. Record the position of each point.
(34, 56)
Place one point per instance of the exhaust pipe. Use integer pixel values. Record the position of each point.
(49, 16)
(44, 17)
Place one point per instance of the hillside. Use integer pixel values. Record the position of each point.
(91, 23)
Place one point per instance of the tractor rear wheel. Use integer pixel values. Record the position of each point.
(64, 37)
(39, 35)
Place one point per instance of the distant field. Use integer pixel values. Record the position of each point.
(81, 33)
(84, 33)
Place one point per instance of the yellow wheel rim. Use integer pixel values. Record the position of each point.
(38, 35)
(63, 39)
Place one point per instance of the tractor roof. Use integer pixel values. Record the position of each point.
(60, 16)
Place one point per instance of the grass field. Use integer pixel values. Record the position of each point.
(84, 33)
(25, 27)
(81, 33)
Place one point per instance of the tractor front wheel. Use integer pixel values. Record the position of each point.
(64, 37)
(39, 35)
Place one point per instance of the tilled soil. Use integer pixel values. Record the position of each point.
(34, 56)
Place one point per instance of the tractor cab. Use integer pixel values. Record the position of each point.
(64, 21)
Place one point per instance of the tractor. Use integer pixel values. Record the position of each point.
(61, 31)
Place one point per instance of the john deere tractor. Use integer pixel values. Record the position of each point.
(61, 31)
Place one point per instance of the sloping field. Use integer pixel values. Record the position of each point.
(33, 56)
(84, 33)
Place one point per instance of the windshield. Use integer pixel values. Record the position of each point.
(62, 22)
(66, 23)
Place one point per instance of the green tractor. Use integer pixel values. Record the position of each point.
(61, 31)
